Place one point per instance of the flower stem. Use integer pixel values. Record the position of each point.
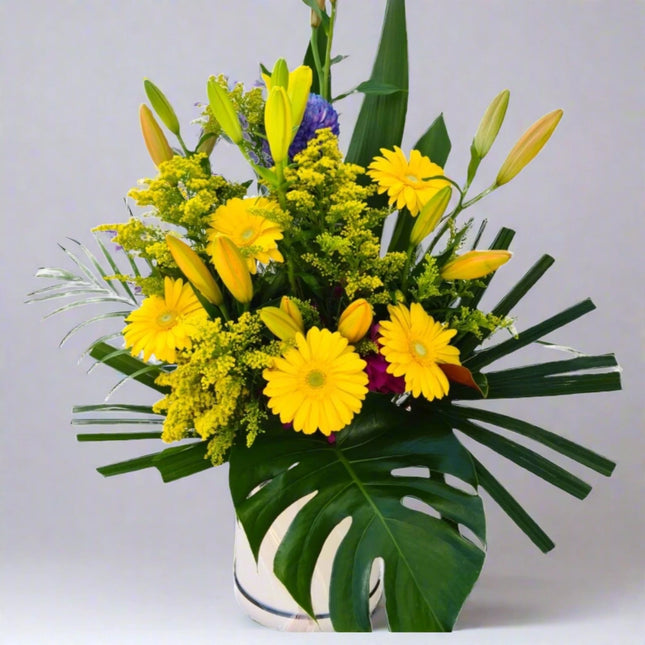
(325, 90)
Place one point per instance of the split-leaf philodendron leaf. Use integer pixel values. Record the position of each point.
(428, 564)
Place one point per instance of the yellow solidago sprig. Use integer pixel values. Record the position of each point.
(185, 193)
(318, 385)
(408, 184)
(414, 345)
(245, 222)
(335, 235)
(161, 326)
(214, 389)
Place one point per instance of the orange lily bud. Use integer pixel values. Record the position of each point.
(287, 305)
(194, 269)
(528, 146)
(279, 322)
(474, 264)
(232, 268)
(355, 321)
(155, 140)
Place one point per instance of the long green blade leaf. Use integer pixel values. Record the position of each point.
(522, 456)
(128, 365)
(512, 508)
(487, 356)
(172, 463)
(122, 436)
(552, 440)
(381, 119)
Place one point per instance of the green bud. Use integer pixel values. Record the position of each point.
(490, 124)
(161, 106)
(280, 74)
(224, 112)
(430, 215)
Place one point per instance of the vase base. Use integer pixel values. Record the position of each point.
(287, 621)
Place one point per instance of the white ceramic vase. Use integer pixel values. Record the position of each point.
(265, 599)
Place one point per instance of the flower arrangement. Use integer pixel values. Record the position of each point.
(319, 328)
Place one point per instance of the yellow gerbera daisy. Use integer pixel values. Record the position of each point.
(318, 385)
(254, 235)
(406, 182)
(414, 344)
(162, 325)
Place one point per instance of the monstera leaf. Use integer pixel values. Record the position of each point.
(429, 566)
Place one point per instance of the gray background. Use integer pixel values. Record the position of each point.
(130, 560)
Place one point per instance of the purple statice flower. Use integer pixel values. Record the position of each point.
(319, 114)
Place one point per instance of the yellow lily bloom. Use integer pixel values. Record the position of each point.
(298, 91)
(297, 83)
(194, 269)
(277, 123)
(474, 264)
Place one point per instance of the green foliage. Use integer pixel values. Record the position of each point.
(354, 478)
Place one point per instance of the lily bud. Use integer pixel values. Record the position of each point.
(279, 323)
(490, 124)
(155, 140)
(356, 320)
(280, 74)
(315, 16)
(528, 146)
(161, 106)
(474, 264)
(223, 111)
(277, 123)
(232, 268)
(298, 92)
(194, 269)
(287, 305)
(430, 215)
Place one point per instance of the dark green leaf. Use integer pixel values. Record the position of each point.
(173, 463)
(121, 436)
(522, 456)
(487, 356)
(128, 365)
(554, 441)
(375, 87)
(511, 507)
(429, 567)
(435, 143)
(381, 119)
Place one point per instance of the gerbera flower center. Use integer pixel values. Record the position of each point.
(248, 234)
(166, 319)
(316, 378)
(419, 349)
(413, 179)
